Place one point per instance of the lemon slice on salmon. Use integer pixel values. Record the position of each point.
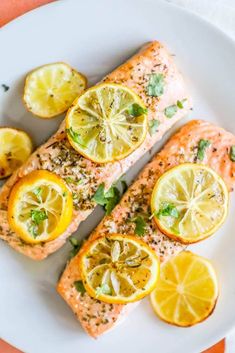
(51, 89)
(40, 207)
(16, 147)
(187, 290)
(107, 123)
(189, 202)
(118, 268)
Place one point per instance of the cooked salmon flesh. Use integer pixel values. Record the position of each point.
(98, 317)
(57, 156)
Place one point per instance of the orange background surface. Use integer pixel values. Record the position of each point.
(10, 9)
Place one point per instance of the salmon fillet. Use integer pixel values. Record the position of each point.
(97, 317)
(57, 156)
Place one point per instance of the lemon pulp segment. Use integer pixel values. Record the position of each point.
(189, 202)
(118, 268)
(107, 123)
(40, 207)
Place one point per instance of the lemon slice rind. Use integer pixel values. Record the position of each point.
(189, 202)
(51, 89)
(16, 147)
(187, 290)
(118, 268)
(100, 125)
(40, 207)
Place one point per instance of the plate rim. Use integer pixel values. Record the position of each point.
(165, 4)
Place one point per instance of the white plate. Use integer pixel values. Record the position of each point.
(95, 36)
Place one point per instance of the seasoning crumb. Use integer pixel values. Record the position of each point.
(5, 87)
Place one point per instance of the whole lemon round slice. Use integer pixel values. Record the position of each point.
(40, 207)
(107, 123)
(189, 202)
(51, 89)
(118, 268)
(187, 290)
(16, 147)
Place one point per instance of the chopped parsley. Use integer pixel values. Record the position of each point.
(112, 199)
(180, 104)
(38, 216)
(74, 136)
(5, 87)
(153, 125)
(140, 225)
(99, 196)
(136, 110)
(155, 86)
(170, 111)
(103, 289)
(202, 146)
(79, 287)
(75, 196)
(76, 244)
(168, 209)
(232, 153)
(107, 199)
(70, 180)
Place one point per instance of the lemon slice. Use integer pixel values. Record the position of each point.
(40, 207)
(118, 268)
(106, 123)
(187, 290)
(189, 202)
(51, 89)
(16, 146)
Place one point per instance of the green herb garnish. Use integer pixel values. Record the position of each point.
(99, 196)
(74, 136)
(38, 216)
(170, 111)
(140, 225)
(180, 104)
(112, 201)
(75, 196)
(202, 145)
(153, 125)
(168, 209)
(103, 289)
(70, 180)
(232, 153)
(107, 199)
(76, 244)
(79, 287)
(5, 87)
(155, 86)
(136, 110)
